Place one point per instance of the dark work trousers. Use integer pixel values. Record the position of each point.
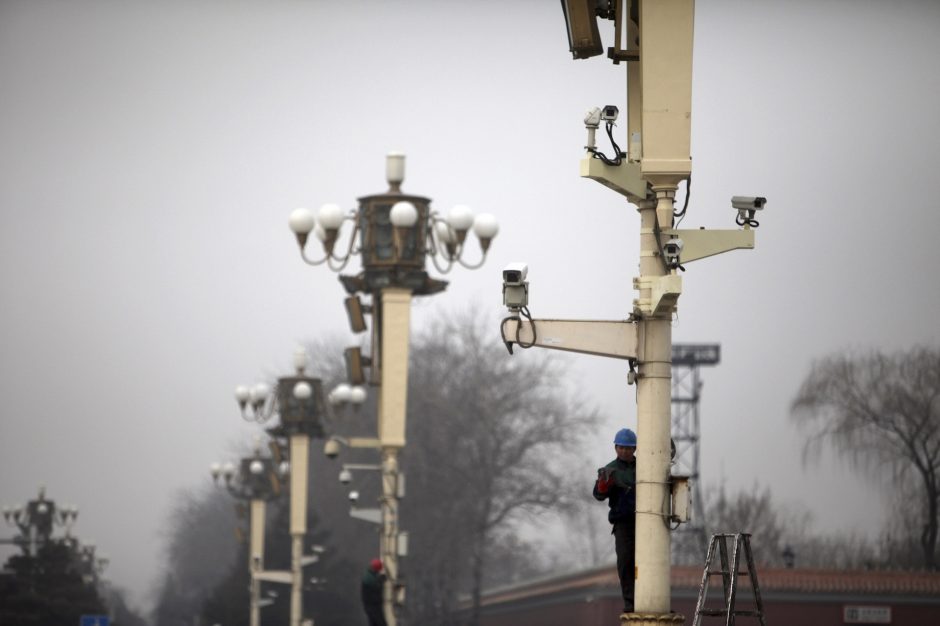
(625, 544)
(375, 615)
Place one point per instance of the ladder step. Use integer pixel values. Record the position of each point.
(716, 612)
(717, 572)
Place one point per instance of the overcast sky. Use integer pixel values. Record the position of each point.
(150, 153)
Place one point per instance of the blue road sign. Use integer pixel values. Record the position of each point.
(95, 620)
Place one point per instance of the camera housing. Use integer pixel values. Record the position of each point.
(331, 448)
(672, 251)
(748, 203)
(515, 286)
(354, 497)
(609, 113)
(515, 273)
(345, 476)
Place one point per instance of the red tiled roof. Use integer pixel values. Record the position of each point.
(770, 579)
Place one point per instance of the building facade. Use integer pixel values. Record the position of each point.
(790, 596)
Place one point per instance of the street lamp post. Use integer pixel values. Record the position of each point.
(256, 480)
(36, 520)
(300, 405)
(397, 232)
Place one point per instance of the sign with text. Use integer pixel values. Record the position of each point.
(860, 614)
(695, 354)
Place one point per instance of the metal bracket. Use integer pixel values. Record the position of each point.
(616, 339)
(364, 442)
(625, 178)
(274, 576)
(702, 243)
(367, 515)
(664, 293)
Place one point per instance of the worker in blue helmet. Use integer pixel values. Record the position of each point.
(616, 483)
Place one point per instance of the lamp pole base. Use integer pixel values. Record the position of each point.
(651, 619)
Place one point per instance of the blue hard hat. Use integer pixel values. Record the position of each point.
(625, 437)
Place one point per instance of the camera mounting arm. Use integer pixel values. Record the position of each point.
(615, 339)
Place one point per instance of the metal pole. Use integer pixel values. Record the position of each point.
(299, 457)
(393, 399)
(388, 541)
(654, 402)
(256, 558)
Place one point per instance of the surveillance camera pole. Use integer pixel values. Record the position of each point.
(659, 107)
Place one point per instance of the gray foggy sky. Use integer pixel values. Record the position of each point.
(150, 153)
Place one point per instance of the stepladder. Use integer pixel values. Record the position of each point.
(729, 568)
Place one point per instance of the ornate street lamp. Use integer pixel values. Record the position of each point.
(256, 479)
(394, 233)
(397, 232)
(37, 518)
(301, 407)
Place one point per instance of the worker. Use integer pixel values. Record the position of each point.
(373, 585)
(616, 483)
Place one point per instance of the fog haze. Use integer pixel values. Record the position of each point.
(151, 152)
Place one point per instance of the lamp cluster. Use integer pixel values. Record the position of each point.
(37, 518)
(255, 477)
(36, 521)
(394, 229)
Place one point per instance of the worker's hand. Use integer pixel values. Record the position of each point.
(604, 479)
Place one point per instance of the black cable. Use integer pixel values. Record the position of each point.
(525, 313)
(742, 219)
(685, 205)
(597, 154)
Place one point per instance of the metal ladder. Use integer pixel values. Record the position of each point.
(729, 579)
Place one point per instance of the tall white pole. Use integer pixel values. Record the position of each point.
(651, 591)
(256, 558)
(393, 400)
(299, 458)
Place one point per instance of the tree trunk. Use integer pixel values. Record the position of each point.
(479, 552)
(928, 538)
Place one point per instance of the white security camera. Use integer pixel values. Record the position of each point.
(609, 113)
(749, 203)
(345, 476)
(354, 497)
(331, 448)
(515, 286)
(515, 274)
(672, 250)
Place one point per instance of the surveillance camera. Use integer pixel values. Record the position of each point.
(515, 273)
(345, 476)
(671, 251)
(331, 448)
(609, 114)
(354, 496)
(515, 286)
(749, 203)
(592, 118)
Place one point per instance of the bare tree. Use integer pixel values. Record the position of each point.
(490, 434)
(200, 549)
(881, 412)
(776, 528)
(754, 512)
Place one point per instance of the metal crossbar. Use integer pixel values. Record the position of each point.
(729, 572)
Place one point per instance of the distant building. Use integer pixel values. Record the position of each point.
(808, 597)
